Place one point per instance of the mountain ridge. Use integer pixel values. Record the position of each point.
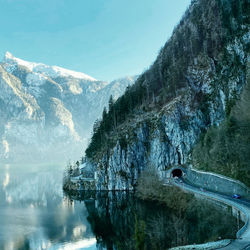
(47, 109)
(51, 71)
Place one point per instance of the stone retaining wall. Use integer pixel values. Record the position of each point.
(216, 182)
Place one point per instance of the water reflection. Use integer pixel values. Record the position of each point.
(35, 214)
(6, 180)
(121, 221)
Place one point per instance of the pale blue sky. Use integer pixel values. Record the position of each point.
(105, 39)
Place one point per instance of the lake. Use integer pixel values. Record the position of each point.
(36, 214)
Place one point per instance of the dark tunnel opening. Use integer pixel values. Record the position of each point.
(177, 173)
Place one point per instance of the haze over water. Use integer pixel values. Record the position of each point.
(36, 214)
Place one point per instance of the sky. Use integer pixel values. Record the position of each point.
(106, 39)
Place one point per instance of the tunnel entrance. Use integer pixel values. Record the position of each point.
(177, 173)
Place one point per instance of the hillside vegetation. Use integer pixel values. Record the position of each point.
(195, 36)
(226, 149)
(190, 107)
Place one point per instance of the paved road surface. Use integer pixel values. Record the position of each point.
(243, 242)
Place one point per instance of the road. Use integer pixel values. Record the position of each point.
(243, 236)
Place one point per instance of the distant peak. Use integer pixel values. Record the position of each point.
(8, 55)
(51, 71)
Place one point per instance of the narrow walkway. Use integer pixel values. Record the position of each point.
(243, 236)
(79, 179)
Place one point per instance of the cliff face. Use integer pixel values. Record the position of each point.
(177, 109)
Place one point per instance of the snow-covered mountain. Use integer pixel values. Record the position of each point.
(47, 112)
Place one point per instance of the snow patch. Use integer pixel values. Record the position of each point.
(35, 79)
(75, 89)
(51, 71)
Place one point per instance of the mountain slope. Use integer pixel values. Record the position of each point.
(192, 85)
(47, 111)
(225, 149)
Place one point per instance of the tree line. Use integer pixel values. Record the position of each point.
(205, 28)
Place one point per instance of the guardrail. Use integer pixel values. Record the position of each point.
(244, 228)
(224, 200)
(228, 179)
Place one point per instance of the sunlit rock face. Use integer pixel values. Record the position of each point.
(47, 112)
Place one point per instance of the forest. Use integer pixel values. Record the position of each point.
(195, 36)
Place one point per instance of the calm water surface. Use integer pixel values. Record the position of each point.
(35, 214)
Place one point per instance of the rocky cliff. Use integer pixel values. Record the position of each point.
(193, 84)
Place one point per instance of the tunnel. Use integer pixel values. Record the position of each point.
(177, 173)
